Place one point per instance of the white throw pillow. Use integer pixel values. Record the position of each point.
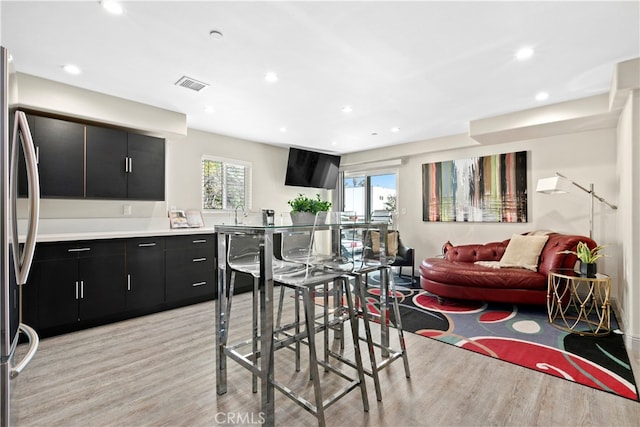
(523, 251)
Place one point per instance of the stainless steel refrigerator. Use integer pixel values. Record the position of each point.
(15, 257)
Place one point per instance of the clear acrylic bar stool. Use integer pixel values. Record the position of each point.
(319, 248)
(377, 255)
(243, 253)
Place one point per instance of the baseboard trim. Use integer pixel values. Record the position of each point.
(630, 341)
(633, 344)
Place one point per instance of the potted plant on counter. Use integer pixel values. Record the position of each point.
(304, 209)
(587, 257)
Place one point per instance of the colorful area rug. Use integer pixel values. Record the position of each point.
(521, 335)
(403, 281)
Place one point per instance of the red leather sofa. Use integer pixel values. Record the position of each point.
(457, 276)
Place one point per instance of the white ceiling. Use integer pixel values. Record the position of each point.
(426, 67)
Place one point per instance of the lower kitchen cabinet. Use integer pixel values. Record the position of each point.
(190, 268)
(78, 282)
(145, 273)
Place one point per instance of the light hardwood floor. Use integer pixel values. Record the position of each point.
(159, 370)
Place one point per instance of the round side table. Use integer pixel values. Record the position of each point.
(579, 304)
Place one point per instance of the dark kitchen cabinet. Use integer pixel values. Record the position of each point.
(79, 160)
(59, 148)
(190, 267)
(146, 167)
(124, 165)
(145, 273)
(78, 282)
(106, 163)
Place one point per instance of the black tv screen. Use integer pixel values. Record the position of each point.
(312, 169)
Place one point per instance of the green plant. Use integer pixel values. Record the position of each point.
(586, 255)
(303, 203)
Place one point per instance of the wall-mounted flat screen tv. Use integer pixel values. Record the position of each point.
(312, 169)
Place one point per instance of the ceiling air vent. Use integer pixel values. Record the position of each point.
(190, 83)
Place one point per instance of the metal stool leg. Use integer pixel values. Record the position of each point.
(256, 332)
(325, 320)
(398, 318)
(353, 319)
(362, 292)
(309, 316)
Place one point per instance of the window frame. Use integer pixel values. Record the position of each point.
(232, 162)
(367, 173)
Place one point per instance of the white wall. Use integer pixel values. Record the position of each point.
(628, 174)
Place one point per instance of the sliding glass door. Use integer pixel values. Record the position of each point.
(364, 192)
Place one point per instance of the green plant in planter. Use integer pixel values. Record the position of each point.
(586, 255)
(303, 203)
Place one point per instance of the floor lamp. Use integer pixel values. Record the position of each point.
(561, 184)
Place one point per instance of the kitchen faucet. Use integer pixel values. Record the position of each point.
(236, 214)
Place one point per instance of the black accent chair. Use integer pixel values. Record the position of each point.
(404, 258)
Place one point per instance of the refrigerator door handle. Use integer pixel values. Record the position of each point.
(22, 259)
(34, 341)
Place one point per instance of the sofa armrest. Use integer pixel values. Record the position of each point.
(553, 255)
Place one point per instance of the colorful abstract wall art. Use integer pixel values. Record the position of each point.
(479, 189)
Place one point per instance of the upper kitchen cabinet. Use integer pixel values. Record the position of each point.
(60, 152)
(145, 176)
(106, 163)
(124, 165)
(89, 161)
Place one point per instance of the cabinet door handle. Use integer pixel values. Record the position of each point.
(145, 245)
(128, 282)
(199, 259)
(126, 165)
(200, 241)
(199, 284)
(130, 165)
(76, 289)
(78, 249)
(37, 154)
(81, 289)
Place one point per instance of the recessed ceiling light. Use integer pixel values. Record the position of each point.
(112, 7)
(334, 143)
(271, 77)
(283, 129)
(395, 129)
(347, 109)
(71, 69)
(524, 53)
(542, 96)
(215, 34)
(209, 109)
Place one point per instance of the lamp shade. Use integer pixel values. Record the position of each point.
(553, 185)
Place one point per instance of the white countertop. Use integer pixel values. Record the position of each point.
(65, 230)
(94, 235)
